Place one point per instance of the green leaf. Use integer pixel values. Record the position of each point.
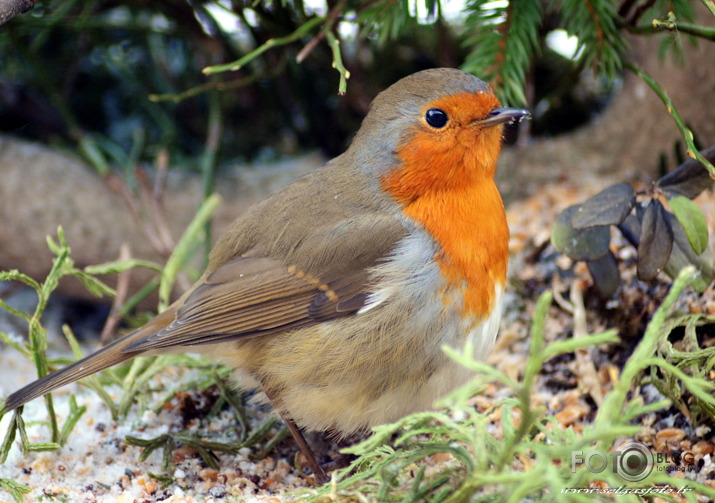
(71, 421)
(15, 275)
(93, 285)
(683, 255)
(43, 446)
(561, 347)
(693, 221)
(93, 154)
(583, 244)
(118, 266)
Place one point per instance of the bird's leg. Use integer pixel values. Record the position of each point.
(305, 448)
(302, 443)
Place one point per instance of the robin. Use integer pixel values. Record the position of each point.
(335, 295)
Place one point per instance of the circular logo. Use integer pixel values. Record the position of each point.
(635, 461)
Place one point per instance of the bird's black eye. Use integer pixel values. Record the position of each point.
(436, 118)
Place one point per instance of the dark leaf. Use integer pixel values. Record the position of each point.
(585, 244)
(656, 241)
(690, 178)
(608, 207)
(606, 277)
(631, 229)
(683, 255)
(693, 221)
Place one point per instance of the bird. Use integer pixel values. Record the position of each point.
(335, 296)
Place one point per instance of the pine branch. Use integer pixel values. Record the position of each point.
(388, 19)
(595, 24)
(502, 43)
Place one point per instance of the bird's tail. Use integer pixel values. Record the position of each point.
(106, 357)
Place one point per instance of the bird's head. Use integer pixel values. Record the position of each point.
(434, 130)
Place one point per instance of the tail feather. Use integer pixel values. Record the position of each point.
(102, 359)
(106, 357)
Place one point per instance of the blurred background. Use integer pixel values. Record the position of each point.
(117, 71)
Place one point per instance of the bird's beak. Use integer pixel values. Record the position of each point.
(502, 115)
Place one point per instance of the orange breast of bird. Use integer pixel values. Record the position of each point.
(446, 184)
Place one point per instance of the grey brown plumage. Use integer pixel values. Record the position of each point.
(335, 295)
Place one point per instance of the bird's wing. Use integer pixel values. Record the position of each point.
(255, 294)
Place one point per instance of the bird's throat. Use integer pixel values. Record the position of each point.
(446, 184)
(469, 226)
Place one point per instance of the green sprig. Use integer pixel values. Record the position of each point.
(299, 33)
(184, 248)
(685, 132)
(389, 463)
(334, 44)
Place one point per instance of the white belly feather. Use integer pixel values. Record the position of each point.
(412, 277)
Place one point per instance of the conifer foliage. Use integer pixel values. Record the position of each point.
(503, 41)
